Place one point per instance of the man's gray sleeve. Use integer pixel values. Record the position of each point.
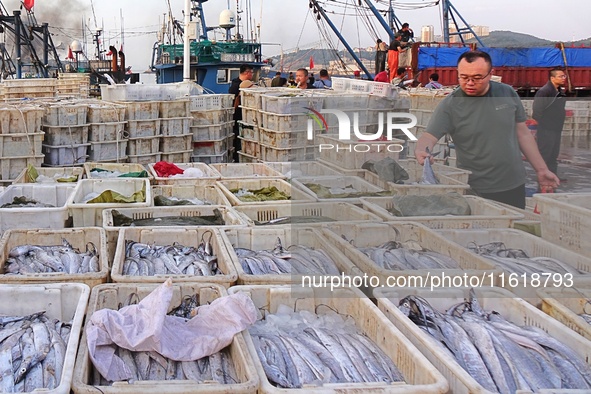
(440, 123)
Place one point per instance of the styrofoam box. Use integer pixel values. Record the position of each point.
(143, 146)
(107, 131)
(210, 147)
(78, 172)
(210, 177)
(65, 155)
(254, 184)
(108, 150)
(243, 171)
(174, 109)
(266, 239)
(337, 181)
(85, 214)
(284, 139)
(484, 214)
(211, 132)
(298, 169)
(66, 114)
(374, 234)
(215, 116)
(56, 217)
(11, 167)
(16, 145)
(175, 126)
(347, 157)
(210, 193)
(176, 143)
(79, 238)
(177, 236)
(106, 112)
(340, 211)
(141, 110)
(63, 301)
(270, 153)
(419, 374)
(177, 157)
(66, 135)
(143, 128)
(20, 118)
(110, 296)
(566, 219)
(145, 159)
(566, 304)
(206, 102)
(276, 103)
(513, 309)
(121, 167)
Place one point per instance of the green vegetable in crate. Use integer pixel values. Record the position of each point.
(24, 202)
(270, 193)
(430, 205)
(161, 201)
(346, 192)
(121, 220)
(111, 196)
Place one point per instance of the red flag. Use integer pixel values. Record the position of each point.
(29, 4)
(70, 54)
(311, 62)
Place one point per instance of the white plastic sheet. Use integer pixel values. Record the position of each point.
(147, 327)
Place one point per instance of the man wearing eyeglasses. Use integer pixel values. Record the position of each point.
(487, 123)
(549, 112)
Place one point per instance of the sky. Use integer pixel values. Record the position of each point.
(287, 24)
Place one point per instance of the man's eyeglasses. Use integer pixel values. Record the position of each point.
(474, 78)
(563, 76)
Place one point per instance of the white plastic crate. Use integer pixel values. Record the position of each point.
(360, 235)
(33, 217)
(284, 139)
(290, 104)
(211, 132)
(49, 172)
(65, 155)
(565, 305)
(85, 214)
(340, 212)
(210, 147)
(65, 114)
(385, 104)
(63, 301)
(244, 158)
(177, 157)
(360, 86)
(20, 118)
(351, 154)
(419, 374)
(145, 159)
(382, 89)
(119, 92)
(211, 193)
(11, 167)
(108, 151)
(105, 112)
(177, 236)
(209, 117)
(179, 90)
(79, 238)
(484, 214)
(341, 84)
(248, 131)
(254, 184)
(243, 171)
(176, 143)
(206, 102)
(66, 135)
(566, 219)
(175, 126)
(270, 153)
(302, 169)
(143, 146)
(290, 122)
(107, 131)
(110, 296)
(251, 115)
(174, 109)
(141, 110)
(411, 186)
(16, 145)
(513, 309)
(123, 168)
(335, 181)
(209, 178)
(250, 148)
(212, 159)
(143, 128)
(348, 101)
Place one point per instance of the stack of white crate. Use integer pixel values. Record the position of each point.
(249, 126)
(73, 85)
(578, 118)
(66, 133)
(107, 135)
(143, 129)
(20, 139)
(212, 128)
(28, 88)
(175, 133)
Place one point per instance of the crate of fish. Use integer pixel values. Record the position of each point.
(143, 128)
(18, 145)
(500, 342)
(174, 109)
(65, 135)
(149, 255)
(212, 131)
(290, 103)
(246, 171)
(105, 112)
(297, 169)
(94, 170)
(351, 154)
(175, 126)
(19, 118)
(92, 196)
(330, 343)
(107, 131)
(31, 206)
(568, 305)
(172, 195)
(261, 191)
(408, 253)
(50, 175)
(215, 116)
(43, 322)
(566, 219)
(442, 211)
(229, 370)
(141, 110)
(108, 151)
(309, 214)
(192, 173)
(44, 256)
(64, 114)
(338, 188)
(11, 167)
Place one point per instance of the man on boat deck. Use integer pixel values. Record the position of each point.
(246, 73)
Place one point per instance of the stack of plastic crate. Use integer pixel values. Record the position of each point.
(107, 135)
(73, 85)
(143, 129)
(212, 127)
(20, 139)
(579, 121)
(175, 132)
(29, 88)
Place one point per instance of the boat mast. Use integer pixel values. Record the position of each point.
(187, 46)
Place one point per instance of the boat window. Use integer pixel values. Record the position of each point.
(222, 76)
(234, 73)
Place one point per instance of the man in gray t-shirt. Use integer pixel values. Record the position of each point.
(487, 123)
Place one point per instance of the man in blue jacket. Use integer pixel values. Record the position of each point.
(549, 112)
